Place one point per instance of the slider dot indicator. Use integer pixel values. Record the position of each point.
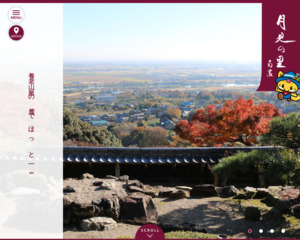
(261, 230)
(249, 230)
(282, 230)
(272, 231)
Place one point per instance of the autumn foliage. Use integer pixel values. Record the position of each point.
(174, 112)
(235, 121)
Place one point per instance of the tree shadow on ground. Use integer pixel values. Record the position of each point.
(226, 217)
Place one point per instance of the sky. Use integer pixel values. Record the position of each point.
(182, 31)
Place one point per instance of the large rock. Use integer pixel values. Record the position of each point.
(109, 206)
(134, 189)
(296, 210)
(124, 178)
(150, 193)
(179, 194)
(228, 191)
(74, 212)
(165, 192)
(98, 223)
(275, 190)
(289, 193)
(111, 177)
(107, 186)
(249, 191)
(252, 213)
(261, 193)
(67, 213)
(284, 188)
(271, 199)
(138, 209)
(66, 202)
(185, 188)
(284, 206)
(135, 183)
(205, 190)
(241, 195)
(274, 213)
(68, 189)
(97, 183)
(85, 210)
(87, 176)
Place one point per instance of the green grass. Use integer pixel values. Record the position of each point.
(256, 203)
(250, 203)
(189, 235)
(294, 225)
(293, 221)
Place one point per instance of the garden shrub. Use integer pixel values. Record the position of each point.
(280, 167)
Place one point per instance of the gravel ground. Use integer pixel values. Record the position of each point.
(216, 215)
(213, 214)
(221, 216)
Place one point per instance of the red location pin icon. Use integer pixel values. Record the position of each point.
(16, 32)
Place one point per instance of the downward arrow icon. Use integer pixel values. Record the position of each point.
(150, 236)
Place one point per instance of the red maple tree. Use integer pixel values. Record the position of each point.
(235, 121)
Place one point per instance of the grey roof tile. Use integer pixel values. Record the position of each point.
(151, 155)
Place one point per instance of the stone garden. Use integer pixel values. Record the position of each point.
(114, 207)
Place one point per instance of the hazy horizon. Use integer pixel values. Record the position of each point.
(159, 61)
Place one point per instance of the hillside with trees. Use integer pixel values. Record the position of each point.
(146, 137)
(83, 134)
